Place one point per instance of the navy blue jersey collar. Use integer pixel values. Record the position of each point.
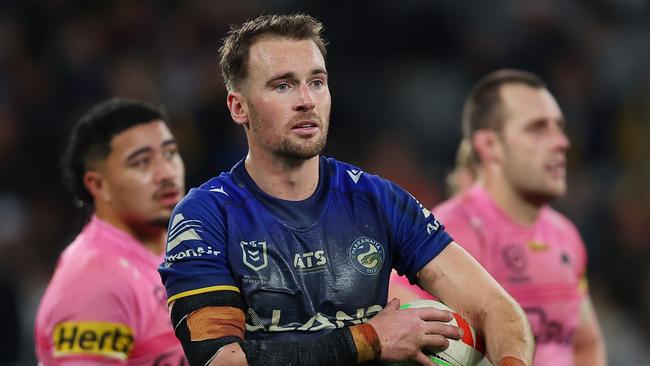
(299, 214)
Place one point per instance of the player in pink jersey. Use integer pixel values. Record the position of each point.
(105, 304)
(515, 130)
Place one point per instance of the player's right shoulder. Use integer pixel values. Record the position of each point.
(202, 201)
(218, 191)
(88, 269)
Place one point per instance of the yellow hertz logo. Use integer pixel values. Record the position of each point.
(93, 338)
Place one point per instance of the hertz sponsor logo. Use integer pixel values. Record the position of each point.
(112, 340)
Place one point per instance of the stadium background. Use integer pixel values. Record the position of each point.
(399, 71)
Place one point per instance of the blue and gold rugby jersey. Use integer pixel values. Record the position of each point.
(304, 268)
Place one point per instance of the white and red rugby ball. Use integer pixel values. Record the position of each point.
(467, 351)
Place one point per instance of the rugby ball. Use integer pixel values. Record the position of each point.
(467, 351)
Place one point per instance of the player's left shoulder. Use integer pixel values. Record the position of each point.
(558, 221)
(554, 217)
(346, 176)
(351, 177)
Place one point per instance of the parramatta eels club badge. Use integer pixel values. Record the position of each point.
(254, 254)
(367, 255)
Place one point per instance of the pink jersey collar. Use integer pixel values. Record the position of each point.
(115, 239)
(481, 194)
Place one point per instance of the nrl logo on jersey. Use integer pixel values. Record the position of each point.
(254, 254)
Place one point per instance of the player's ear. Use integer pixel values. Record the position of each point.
(238, 107)
(96, 185)
(487, 145)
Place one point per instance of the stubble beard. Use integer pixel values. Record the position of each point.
(532, 188)
(538, 193)
(286, 149)
(297, 152)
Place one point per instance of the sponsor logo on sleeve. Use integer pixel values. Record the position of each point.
(182, 230)
(254, 254)
(112, 340)
(431, 226)
(367, 255)
(199, 251)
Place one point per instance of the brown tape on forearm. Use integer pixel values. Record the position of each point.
(367, 342)
(214, 322)
(511, 361)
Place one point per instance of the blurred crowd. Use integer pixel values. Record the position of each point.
(399, 72)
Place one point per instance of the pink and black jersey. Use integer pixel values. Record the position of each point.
(106, 305)
(541, 265)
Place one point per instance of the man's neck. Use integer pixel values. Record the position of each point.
(512, 203)
(151, 237)
(287, 180)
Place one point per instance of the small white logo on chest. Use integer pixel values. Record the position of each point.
(309, 261)
(355, 174)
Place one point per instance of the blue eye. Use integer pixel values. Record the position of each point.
(282, 87)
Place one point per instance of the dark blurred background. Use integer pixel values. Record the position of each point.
(399, 71)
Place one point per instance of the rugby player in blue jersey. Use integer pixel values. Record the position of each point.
(285, 260)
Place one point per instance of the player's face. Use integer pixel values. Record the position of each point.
(534, 143)
(144, 174)
(287, 97)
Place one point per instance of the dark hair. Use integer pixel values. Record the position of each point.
(482, 106)
(233, 54)
(91, 138)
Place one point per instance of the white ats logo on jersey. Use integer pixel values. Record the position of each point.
(355, 174)
(310, 261)
(182, 230)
